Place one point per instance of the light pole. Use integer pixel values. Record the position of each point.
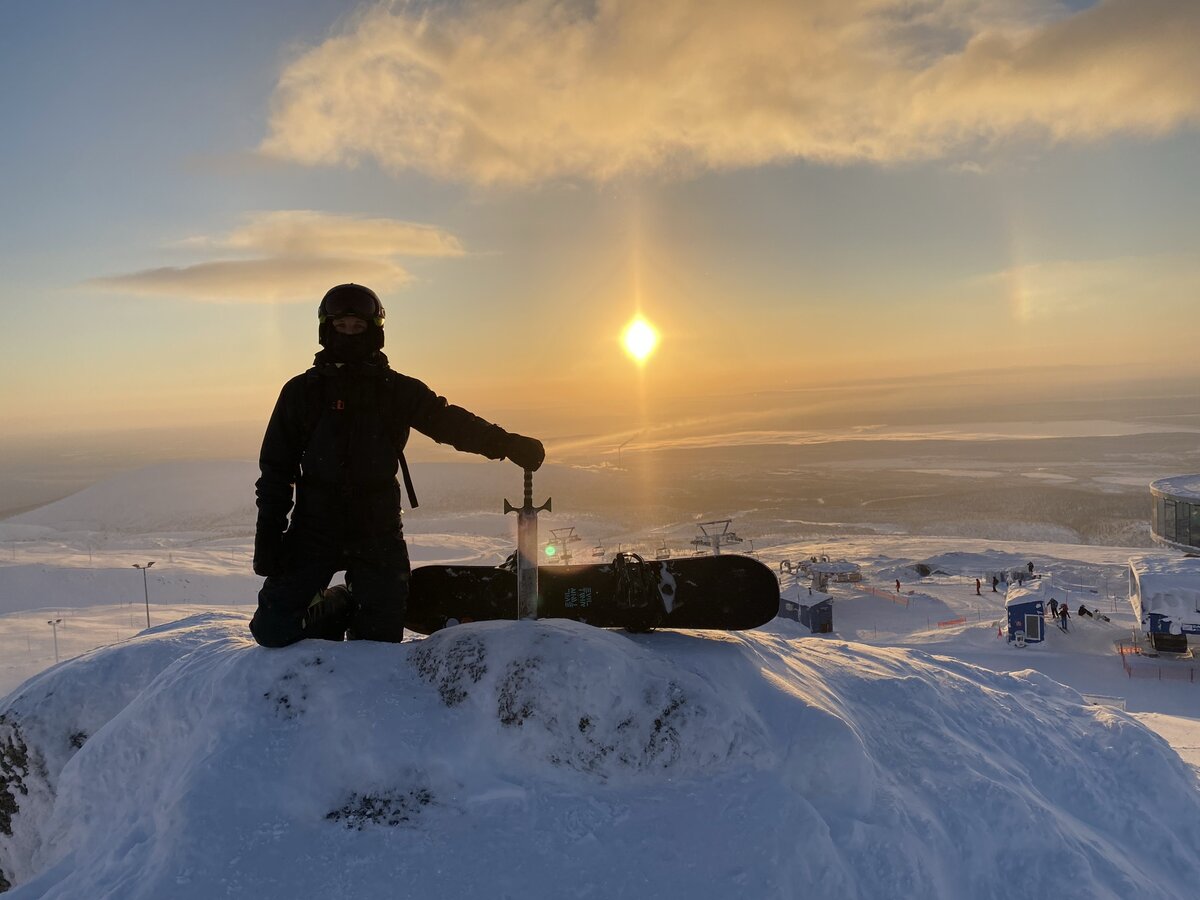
(145, 588)
(54, 623)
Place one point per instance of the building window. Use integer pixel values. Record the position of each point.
(1195, 541)
(1169, 520)
(1183, 523)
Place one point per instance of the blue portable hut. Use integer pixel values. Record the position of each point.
(818, 616)
(1026, 614)
(811, 608)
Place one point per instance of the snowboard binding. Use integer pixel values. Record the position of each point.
(638, 591)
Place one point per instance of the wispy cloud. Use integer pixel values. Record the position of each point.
(291, 255)
(279, 280)
(527, 90)
(309, 233)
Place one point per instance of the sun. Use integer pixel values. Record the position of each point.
(639, 339)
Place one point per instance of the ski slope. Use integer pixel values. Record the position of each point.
(895, 757)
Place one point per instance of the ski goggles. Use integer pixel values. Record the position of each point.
(352, 301)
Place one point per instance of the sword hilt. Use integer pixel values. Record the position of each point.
(528, 508)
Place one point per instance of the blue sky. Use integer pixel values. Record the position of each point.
(796, 194)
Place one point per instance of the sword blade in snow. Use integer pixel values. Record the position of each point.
(527, 550)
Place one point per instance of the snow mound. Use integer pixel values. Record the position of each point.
(550, 759)
(572, 698)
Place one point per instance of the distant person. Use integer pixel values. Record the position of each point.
(897, 585)
(978, 586)
(1084, 611)
(1029, 565)
(1064, 613)
(1053, 604)
(995, 581)
(329, 457)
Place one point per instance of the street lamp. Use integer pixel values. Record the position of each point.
(54, 623)
(145, 588)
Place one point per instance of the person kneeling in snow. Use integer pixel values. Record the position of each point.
(333, 446)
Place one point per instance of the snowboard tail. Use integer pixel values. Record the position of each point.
(726, 593)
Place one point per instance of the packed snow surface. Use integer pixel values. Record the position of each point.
(912, 753)
(550, 759)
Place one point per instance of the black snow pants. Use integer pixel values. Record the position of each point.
(378, 593)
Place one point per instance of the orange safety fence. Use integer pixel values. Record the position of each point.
(961, 620)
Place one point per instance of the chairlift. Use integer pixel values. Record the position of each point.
(561, 540)
(713, 535)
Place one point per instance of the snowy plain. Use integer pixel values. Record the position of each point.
(911, 753)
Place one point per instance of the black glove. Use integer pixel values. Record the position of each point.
(526, 452)
(268, 554)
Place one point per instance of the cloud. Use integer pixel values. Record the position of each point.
(308, 233)
(528, 90)
(276, 280)
(294, 255)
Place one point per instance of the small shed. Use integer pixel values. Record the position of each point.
(818, 616)
(1165, 594)
(811, 608)
(1026, 614)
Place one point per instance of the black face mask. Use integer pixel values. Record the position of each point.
(349, 348)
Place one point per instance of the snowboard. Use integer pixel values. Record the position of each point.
(726, 593)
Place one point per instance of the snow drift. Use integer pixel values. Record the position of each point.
(549, 759)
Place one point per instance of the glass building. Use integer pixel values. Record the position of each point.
(1175, 519)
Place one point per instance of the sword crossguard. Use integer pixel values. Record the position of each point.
(528, 508)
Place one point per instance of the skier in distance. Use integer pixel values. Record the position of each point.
(330, 456)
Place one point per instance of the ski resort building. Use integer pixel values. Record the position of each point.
(1175, 517)
(1026, 609)
(1165, 594)
(825, 570)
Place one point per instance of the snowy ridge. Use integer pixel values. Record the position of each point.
(170, 497)
(550, 759)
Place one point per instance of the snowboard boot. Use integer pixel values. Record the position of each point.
(328, 614)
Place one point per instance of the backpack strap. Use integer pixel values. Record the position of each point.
(314, 400)
(399, 434)
(408, 485)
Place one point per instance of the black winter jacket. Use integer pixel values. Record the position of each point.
(337, 434)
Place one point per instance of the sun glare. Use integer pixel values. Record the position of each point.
(639, 339)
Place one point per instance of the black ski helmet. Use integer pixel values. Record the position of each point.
(351, 300)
